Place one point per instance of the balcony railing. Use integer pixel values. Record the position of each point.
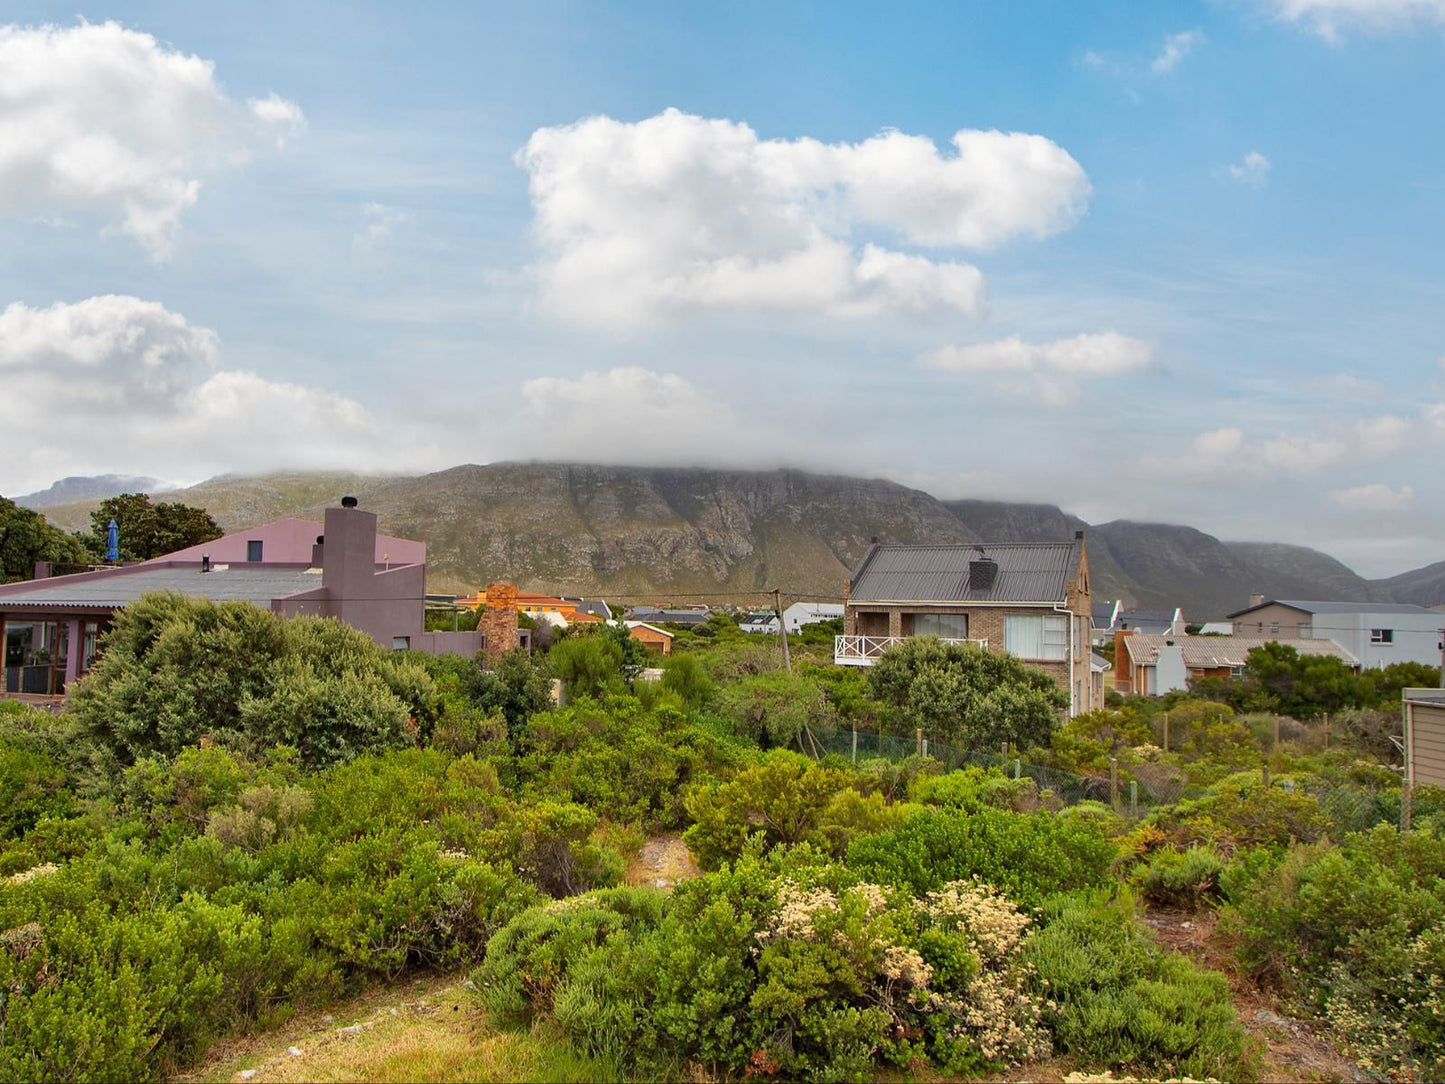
(866, 650)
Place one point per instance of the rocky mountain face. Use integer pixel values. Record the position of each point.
(659, 533)
(1424, 586)
(96, 488)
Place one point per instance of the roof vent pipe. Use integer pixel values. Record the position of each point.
(205, 562)
(348, 502)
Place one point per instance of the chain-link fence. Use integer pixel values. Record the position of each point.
(1131, 792)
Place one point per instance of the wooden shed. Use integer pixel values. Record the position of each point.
(1425, 736)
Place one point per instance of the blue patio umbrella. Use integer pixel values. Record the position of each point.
(112, 542)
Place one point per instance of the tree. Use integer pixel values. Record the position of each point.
(149, 530)
(966, 695)
(685, 676)
(588, 665)
(25, 538)
(1279, 678)
(772, 707)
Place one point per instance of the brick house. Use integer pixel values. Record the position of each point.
(1031, 600)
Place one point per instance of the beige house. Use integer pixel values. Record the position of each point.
(1029, 599)
(1424, 711)
(1147, 665)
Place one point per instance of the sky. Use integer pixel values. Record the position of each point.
(1166, 262)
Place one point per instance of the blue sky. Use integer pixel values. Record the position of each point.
(1194, 277)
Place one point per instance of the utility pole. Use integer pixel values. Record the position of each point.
(782, 628)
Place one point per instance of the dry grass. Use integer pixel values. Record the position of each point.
(429, 1030)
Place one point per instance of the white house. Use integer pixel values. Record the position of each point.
(1376, 633)
(807, 613)
(764, 621)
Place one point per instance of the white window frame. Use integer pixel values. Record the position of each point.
(1381, 637)
(1052, 636)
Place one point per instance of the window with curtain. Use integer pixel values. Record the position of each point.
(1042, 636)
(947, 626)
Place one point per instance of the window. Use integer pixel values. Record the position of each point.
(1042, 637)
(1236, 671)
(400, 643)
(253, 550)
(1274, 628)
(1382, 636)
(947, 626)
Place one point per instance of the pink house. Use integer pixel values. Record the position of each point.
(51, 627)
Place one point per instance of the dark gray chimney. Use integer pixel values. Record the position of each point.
(982, 571)
(318, 552)
(205, 562)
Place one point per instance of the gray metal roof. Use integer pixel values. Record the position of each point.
(1213, 652)
(1337, 607)
(253, 583)
(1027, 572)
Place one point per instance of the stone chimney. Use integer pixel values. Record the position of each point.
(498, 624)
(348, 558)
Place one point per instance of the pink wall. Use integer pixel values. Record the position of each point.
(288, 542)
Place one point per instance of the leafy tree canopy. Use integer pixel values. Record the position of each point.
(965, 695)
(25, 538)
(149, 530)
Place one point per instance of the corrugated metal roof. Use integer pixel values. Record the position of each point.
(1027, 572)
(1337, 607)
(248, 583)
(1212, 652)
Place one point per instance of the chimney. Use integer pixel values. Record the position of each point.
(42, 570)
(982, 572)
(317, 551)
(348, 558)
(205, 562)
(1256, 600)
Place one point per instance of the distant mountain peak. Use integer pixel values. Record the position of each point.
(91, 488)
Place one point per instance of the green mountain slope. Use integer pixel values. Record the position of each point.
(671, 532)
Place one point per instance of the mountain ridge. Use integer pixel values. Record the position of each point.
(658, 532)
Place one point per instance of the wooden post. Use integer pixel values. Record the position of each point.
(855, 743)
(918, 739)
(1114, 781)
(1133, 799)
(782, 628)
(1166, 732)
(1018, 768)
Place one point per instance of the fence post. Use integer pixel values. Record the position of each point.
(1004, 750)
(925, 746)
(1017, 768)
(1166, 732)
(918, 739)
(1275, 749)
(1133, 799)
(1327, 730)
(1114, 781)
(855, 744)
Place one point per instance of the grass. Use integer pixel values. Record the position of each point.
(430, 1030)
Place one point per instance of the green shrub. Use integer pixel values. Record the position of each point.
(1181, 879)
(176, 669)
(1352, 933)
(1027, 856)
(1117, 1001)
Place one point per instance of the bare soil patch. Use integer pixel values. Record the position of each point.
(663, 861)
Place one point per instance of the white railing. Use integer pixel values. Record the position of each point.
(866, 650)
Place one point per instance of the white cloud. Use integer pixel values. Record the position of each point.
(1328, 18)
(377, 223)
(1376, 497)
(1048, 371)
(115, 380)
(1351, 387)
(100, 119)
(1383, 436)
(1176, 48)
(627, 415)
(1253, 171)
(679, 211)
(1433, 414)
